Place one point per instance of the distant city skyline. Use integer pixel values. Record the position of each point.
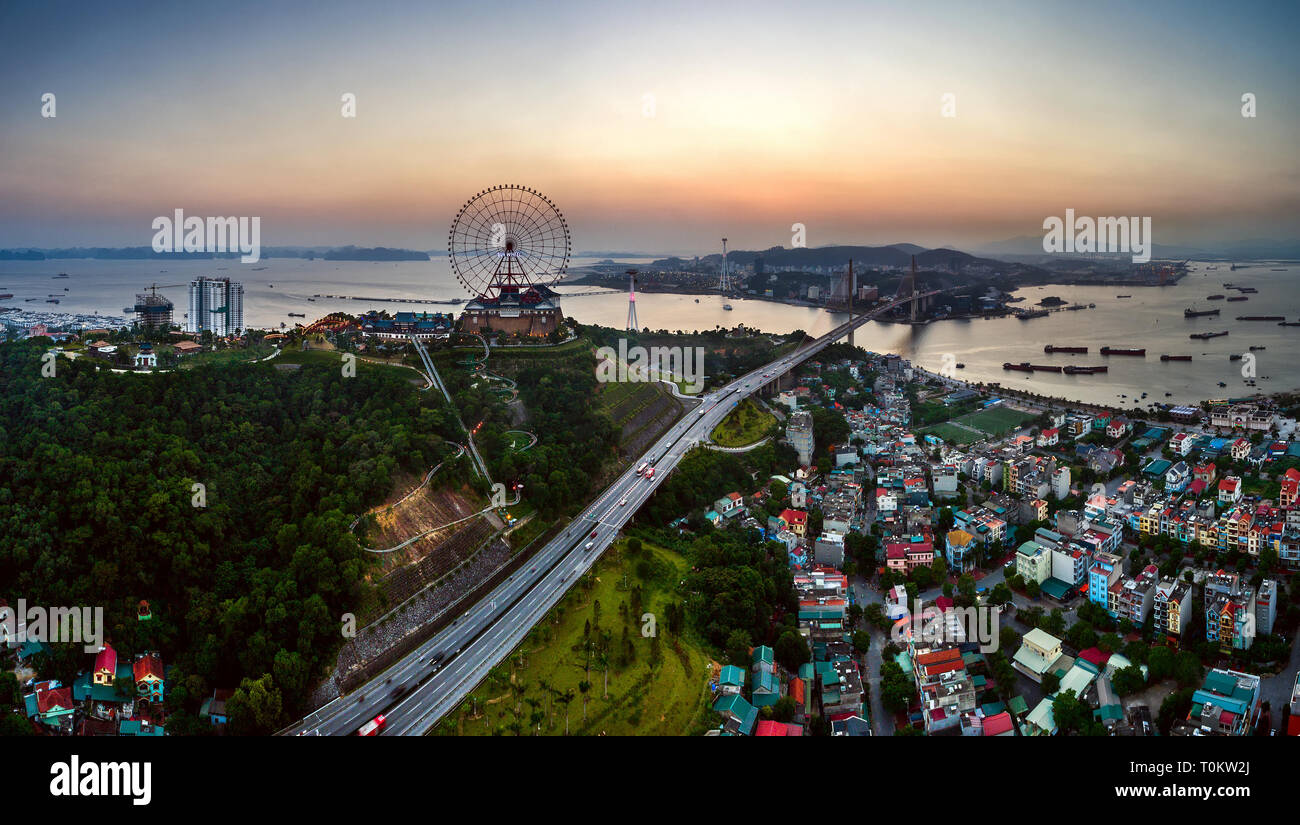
(734, 121)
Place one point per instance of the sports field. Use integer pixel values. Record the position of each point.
(972, 427)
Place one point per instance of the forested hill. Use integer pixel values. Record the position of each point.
(97, 507)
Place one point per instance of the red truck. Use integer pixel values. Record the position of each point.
(650, 473)
(373, 727)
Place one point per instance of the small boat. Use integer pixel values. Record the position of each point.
(1123, 296)
(1221, 384)
(697, 300)
(1255, 348)
(726, 306)
(961, 366)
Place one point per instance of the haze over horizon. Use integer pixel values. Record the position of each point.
(761, 116)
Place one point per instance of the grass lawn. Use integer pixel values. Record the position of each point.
(525, 692)
(743, 426)
(996, 420)
(954, 435)
(225, 356)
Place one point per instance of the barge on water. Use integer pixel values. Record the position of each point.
(1050, 348)
(1195, 313)
(1175, 358)
(1140, 351)
(1261, 317)
(1071, 369)
(1205, 336)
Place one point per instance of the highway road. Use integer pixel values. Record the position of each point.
(420, 689)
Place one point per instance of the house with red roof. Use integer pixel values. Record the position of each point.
(148, 674)
(1096, 656)
(896, 557)
(105, 666)
(797, 520)
(999, 724)
(1290, 488)
(50, 704)
(1229, 490)
(769, 727)
(1206, 472)
(1050, 437)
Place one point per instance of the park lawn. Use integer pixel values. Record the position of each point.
(743, 426)
(669, 699)
(329, 358)
(222, 357)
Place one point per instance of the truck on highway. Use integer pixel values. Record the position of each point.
(641, 470)
(650, 473)
(373, 727)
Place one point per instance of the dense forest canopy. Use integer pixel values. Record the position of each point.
(97, 505)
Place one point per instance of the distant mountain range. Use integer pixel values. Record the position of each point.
(133, 253)
(895, 255)
(1031, 247)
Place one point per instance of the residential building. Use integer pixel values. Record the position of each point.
(1227, 704)
(1039, 651)
(799, 432)
(216, 305)
(959, 551)
(1033, 562)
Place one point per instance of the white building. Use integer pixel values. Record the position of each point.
(216, 304)
(1061, 483)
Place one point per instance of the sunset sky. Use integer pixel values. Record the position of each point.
(764, 114)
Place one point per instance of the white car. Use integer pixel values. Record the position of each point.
(623, 502)
(591, 544)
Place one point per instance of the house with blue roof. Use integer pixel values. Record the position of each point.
(738, 715)
(731, 680)
(764, 689)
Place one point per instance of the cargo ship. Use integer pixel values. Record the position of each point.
(1050, 348)
(1289, 324)
(1071, 369)
(1123, 351)
(1261, 317)
(1238, 298)
(1047, 368)
(1023, 366)
(6, 295)
(1205, 336)
(1175, 358)
(1215, 298)
(1194, 313)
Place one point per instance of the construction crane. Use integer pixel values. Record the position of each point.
(152, 311)
(155, 287)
